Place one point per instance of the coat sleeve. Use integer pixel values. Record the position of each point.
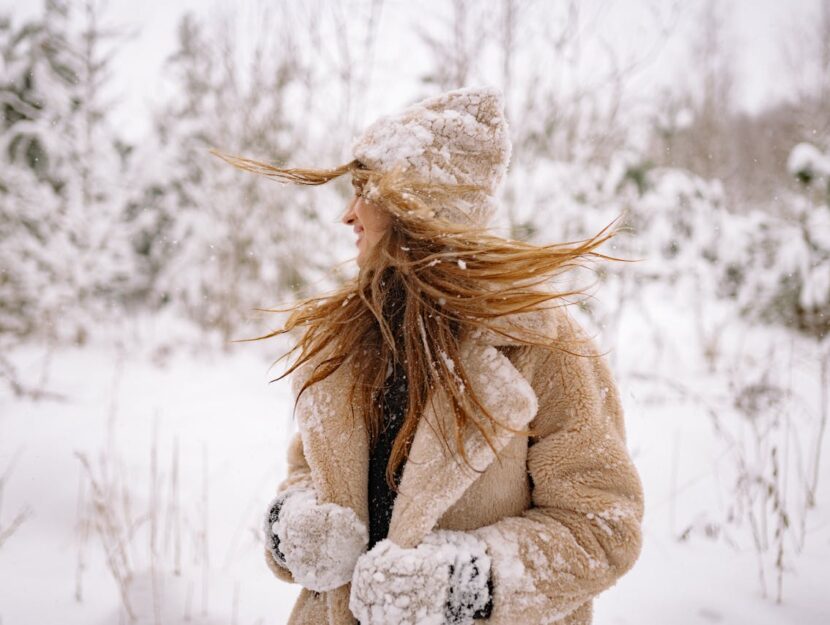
(298, 476)
(583, 529)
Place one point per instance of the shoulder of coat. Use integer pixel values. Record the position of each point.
(304, 371)
(539, 325)
(570, 342)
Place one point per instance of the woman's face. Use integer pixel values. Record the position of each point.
(369, 223)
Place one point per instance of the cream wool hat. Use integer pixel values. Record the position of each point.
(457, 137)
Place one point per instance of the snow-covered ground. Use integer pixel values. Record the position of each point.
(187, 447)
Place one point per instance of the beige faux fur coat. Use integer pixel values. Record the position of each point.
(560, 512)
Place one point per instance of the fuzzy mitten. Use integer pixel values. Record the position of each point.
(443, 581)
(272, 539)
(318, 543)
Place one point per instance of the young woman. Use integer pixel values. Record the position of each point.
(460, 453)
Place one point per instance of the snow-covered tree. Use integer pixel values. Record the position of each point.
(215, 241)
(63, 250)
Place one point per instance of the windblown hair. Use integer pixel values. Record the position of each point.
(423, 286)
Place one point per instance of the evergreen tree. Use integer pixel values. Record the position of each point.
(63, 252)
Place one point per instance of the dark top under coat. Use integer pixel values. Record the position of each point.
(381, 496)
(394, 402)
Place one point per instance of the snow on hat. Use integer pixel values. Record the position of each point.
(457, 137)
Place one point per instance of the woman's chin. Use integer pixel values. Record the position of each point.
(361, 253)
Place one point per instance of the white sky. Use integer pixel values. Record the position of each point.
(756, 28)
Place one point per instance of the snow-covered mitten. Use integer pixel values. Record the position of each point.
(443, 581)
(272, 540)
(318, 543)
(471, 579)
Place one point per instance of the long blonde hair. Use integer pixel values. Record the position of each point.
(441, 279)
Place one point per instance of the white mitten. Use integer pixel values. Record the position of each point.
(319, 543)
(444, 580)
(269, 526)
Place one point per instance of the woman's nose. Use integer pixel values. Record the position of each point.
(348, 216)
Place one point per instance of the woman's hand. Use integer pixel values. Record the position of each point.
(444, 580)
(318, 543)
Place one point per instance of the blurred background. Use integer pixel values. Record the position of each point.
(139, 444)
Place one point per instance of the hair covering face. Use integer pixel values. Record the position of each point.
(457, 137)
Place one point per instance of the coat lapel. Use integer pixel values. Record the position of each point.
(335, 442)
(434, 478)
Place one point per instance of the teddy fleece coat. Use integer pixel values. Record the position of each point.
(560, 512)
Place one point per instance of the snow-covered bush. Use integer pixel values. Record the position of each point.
(674, 223)
(777, 268)
(807, 163)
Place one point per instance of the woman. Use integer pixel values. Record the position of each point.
(460, 453)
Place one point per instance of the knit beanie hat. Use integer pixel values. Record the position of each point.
(457, 137)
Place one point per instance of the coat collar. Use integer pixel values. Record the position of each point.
(336, 447)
